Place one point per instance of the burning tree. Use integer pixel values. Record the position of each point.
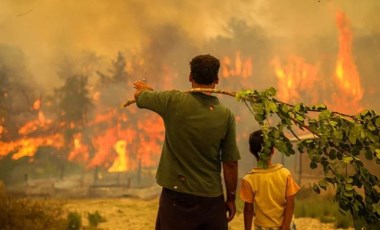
(74, 105)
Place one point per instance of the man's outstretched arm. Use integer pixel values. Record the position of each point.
(140, 86)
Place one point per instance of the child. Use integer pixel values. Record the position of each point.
(272, 189)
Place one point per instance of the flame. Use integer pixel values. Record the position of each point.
(121, 162)
(37, 104)
(79, 151)
(346, 74)
(151, 140)
(295, 78)
(27, 147)
(239, 68)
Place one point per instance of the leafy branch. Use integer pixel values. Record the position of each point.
(338, 143)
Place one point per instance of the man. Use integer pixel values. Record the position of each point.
(200, 140)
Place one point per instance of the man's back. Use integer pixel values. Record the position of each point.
(199, 133)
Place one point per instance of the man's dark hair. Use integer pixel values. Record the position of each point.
(204, 69)
(256, 141)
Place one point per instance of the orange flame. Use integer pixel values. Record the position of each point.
(28, 146)
(295, 79)
(347, 77)
(121, 162)
(241, 68)
(79, 151)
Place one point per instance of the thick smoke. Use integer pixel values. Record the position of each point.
(45, 29)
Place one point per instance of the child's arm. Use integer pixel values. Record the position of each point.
(248, 197)
(248, 215)
(288, 213)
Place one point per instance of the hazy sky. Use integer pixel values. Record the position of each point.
(43, 28)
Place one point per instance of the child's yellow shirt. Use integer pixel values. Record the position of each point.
(267, 189)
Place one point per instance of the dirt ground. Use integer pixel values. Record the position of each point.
(138, 214)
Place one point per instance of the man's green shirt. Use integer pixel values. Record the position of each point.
(199, 135)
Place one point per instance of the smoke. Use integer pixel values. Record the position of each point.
(171, 31)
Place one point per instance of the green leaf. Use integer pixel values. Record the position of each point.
(377, 209)
(324, 115)
(285, 108)
(368, 154)
(300, 118)
(271, 91)
(370, 126)
(313, 165)
(259, 118)
(349, 193)
(273, 107)
(347, 159)
(332, 154)
(319, 107)
(258, 108)
(338, 134)
(377, 122)
(316, 188)
(377, 154)
(297, 107)
(261, 164)
(352, 136)
(333, 123)
(323, 184)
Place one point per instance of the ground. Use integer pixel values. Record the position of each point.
(138, 214)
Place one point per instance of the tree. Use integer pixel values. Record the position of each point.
(118, 73)
(74, 105)
(15, 94)
(113, 85)
(338, 145)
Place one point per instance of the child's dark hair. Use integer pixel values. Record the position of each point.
(256, 141)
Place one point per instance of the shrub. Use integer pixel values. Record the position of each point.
(74, 221)
(322, 207)
(31, 214)
(94, 219)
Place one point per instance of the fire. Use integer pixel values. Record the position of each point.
(121, 162)
(237, 67)
(80, 151)
(297, 80)
(27, 147)
(37, 104)
(121, 141)
(346, 74)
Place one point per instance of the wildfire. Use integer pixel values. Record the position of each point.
(121, 141)
(28, 146)
(237, 67)
(297, 80)
(350, 92)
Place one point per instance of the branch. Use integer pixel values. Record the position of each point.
(203, 90)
